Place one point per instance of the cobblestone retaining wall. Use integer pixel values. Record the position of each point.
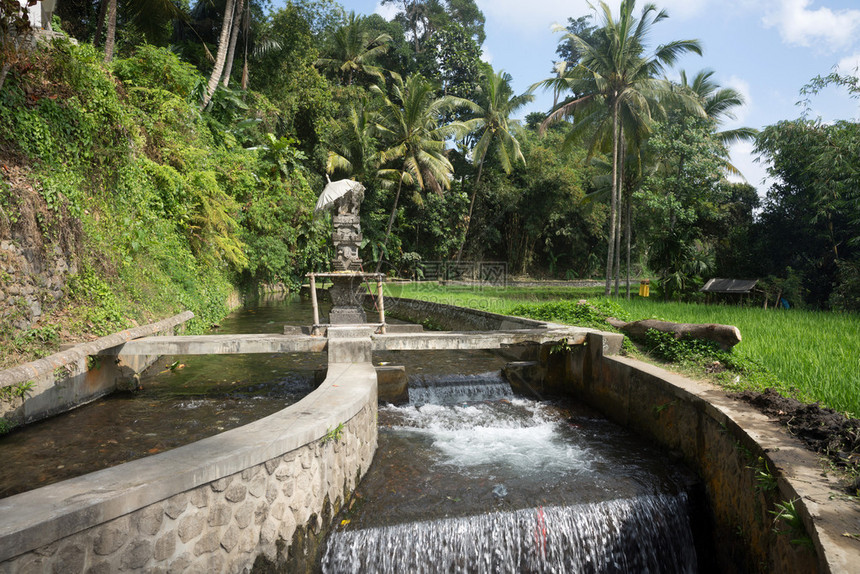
(262, 513)
(746, 462)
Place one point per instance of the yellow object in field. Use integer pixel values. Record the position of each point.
(644, 288)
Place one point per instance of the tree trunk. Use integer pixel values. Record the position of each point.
(613, 207)
(471, 207)
(234, 37)
(110, 39)
(726, 336)
(101, 22)
(221, 58)
(629, 233)
(622, 156)
(7, 65)
(390, 220)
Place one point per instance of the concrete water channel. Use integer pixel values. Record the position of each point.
(264, 493)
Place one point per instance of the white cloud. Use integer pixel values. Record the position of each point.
(800, 25)
(532, 17)
(486, 55)
(743, 157)
(389, 11)
(850, 65)
(537, 16)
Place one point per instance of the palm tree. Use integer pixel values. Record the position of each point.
(496, 103)
(352, 145)
(615, 74)
(221, 57)
(234, 37)
(353, 51)
(718, 104)
(415, 134)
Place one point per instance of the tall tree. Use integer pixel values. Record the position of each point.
(615, 72)
(352, 50)
(812, 211)
(110, 38)
(234, 37)
(492, 125)
(719, 104)
(221, 57)
(352, 144)
(415, 138)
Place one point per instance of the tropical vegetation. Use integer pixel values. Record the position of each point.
(173, 152)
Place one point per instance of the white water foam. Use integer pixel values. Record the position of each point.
(451, 389)
(513, 434)
(644, 534)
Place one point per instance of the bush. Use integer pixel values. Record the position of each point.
(157, 68)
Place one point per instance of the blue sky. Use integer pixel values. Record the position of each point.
(766, 49)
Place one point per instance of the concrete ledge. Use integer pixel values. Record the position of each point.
(445, 340)
(727, 442)
(39, 518)
(70, 378)
(451, 317)
(219, 345)
(41, 367)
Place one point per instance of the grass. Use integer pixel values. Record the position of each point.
(811, 355)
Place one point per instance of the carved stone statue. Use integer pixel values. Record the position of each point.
(344, 199)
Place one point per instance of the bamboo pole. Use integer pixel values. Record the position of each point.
(381, 302)
(314, 299)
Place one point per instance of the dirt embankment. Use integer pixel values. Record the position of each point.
(825, 431)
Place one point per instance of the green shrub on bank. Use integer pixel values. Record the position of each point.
(592, 314)
(174, 210)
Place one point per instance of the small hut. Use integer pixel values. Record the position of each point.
(731, 287)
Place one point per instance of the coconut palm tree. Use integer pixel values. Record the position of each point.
(491, 122)
(221, 57)
(352, 144)
(614, 73)
(718, 104)
(353, 50)
(234, 37)
(414, 134)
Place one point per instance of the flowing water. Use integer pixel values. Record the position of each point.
(469, 478)
(200, 396)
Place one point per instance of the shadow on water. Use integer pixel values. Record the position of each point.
(198, 397)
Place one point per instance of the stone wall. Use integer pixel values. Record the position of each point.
(218, 505)
(31, 281)
(747, 463)
(77, 375)
(443, 316)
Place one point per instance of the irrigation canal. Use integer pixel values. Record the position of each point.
(467, 477)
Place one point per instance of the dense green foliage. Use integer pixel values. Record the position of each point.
(170, 203)
(174, 212)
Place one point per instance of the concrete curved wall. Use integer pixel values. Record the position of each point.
(254, 493)
(65, 380)
(732, 446)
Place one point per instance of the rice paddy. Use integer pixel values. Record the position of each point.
(812, 355)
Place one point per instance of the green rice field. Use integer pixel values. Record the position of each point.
(812, 355)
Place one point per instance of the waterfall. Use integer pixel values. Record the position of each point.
(648, 533)
(451, 389)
